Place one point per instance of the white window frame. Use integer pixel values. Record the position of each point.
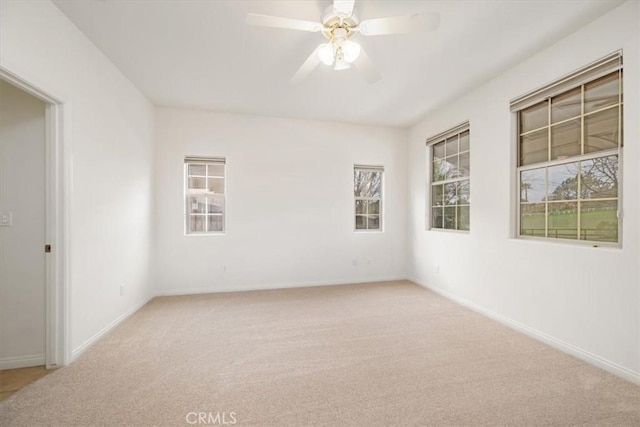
(591, 72)
(204, 161)
(369, 168)
(431, 141)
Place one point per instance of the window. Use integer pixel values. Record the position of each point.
(367, 189)
(204, 195)
(569, 151)
(450, 169)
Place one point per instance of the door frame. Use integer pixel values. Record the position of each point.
(57, 221)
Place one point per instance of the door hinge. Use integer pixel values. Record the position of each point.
(47, 248)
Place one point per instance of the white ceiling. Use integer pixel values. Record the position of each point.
(201, 54)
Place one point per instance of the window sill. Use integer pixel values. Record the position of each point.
(219, 233)
(447, 230)
(569, 242)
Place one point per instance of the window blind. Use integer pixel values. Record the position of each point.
(448, 133)
(585, 74)
(369, 168)
(200, 159)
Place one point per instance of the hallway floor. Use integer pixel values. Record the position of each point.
(12, 380)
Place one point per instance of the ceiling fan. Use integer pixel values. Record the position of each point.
(339, 24)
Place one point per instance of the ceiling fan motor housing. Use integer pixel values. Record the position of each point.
(332, 23)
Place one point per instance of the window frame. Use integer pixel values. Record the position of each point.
(381, 215)
(187, 193)
(578, 79)
(431, 142)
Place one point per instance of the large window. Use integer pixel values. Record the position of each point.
(569, 151)
(204, 195)
(450, 184)
(367, 190)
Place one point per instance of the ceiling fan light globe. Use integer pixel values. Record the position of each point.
(350, 51)
(326, 53)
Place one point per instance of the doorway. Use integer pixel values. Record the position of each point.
(22, 228)
(33, 227)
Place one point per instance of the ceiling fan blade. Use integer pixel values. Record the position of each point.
(307, 67)
(400, 24)
(364, 65)
(343, 7)
(279, 22)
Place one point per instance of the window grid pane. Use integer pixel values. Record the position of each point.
(450, 184)
(580, 121)
(573, 200)
(367, 190)
(204, 193)
(577, 198)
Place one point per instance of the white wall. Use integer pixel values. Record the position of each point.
(109, 132)
(285, 231)
(22, 264)
(289, 203)
(587, 298)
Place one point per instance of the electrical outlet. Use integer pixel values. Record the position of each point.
(6, 218)
(121, 290)
(354, 262)
(437, 268)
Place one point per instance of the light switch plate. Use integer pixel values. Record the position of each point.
(6, 219)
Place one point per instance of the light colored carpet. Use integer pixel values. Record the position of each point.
(373, 354)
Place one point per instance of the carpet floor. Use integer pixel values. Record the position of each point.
(373, 354)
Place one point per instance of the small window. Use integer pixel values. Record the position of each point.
(204, 195)
(449, 186)
(367, 190)
(569, 151)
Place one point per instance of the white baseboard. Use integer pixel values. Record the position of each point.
(570, 349)
(264, 287)
(22, 361)
(88, 343)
